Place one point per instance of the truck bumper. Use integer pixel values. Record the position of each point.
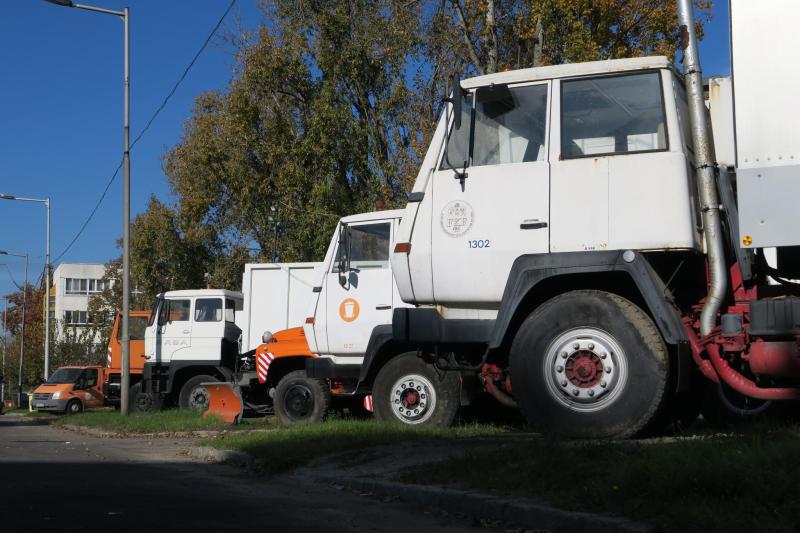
(49, 405)
(322, 367)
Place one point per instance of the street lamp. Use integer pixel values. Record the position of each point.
(126, 202)
(5, 349)
(46, 202)
(22, 334)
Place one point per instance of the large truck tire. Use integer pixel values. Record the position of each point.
(193, 395)
(143, 402)
(300, 399)
(589, 364)
(407, 390)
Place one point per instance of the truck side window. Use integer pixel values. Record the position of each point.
(174, 311)
(369, 246)
(208, 310)
(230, 310)
(510, 124)
(612, 115)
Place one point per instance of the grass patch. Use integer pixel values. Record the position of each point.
(741, 483)
(163, 421)
(290, 447)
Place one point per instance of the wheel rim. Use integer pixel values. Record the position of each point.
(198, 399)
(585, 369)
(299, 401)
(74, 407)
(413, 399)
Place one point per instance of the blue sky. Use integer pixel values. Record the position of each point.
(61, 111)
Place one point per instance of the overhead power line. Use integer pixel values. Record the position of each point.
(146, 127)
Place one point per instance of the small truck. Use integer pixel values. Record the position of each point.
(70, 390)
(137, 322)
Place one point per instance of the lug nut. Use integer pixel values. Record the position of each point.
(591, 393)
(576, 346)
(559, 368)
(608, 370)
(603, 384)
(563, 382)
(591, 346)
(564, 355)
(603, 355)
(575, 392)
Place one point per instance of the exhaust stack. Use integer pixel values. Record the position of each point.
(704, 166)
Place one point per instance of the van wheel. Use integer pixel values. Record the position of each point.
(410, 391)
(193, 395)
(74, 407)
(300, 399)
(589, 364)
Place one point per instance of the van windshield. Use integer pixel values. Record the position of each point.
(64, 375)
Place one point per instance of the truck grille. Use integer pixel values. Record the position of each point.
(41, 395)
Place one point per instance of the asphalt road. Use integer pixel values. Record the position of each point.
(57, 480)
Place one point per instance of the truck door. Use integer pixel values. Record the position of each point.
(91, 393)
(364, 299)
(174, 333)
(498, 208)
(207, 329)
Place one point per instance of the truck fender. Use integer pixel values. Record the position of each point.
(375, 356)
(528, 271)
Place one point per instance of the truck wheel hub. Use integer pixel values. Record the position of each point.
(585, 369)
(413, 399)
(299, 401)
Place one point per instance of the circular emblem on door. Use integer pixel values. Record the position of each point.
(348, 309)
(457, 218)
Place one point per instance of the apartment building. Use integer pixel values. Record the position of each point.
(73, 285)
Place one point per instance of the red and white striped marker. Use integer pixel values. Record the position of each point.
(263, 360)
(108, 359)
(368, 403)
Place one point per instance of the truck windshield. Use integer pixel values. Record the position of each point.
(64, 375)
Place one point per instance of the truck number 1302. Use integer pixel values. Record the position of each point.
(480, 243)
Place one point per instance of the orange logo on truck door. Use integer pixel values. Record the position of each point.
(348, 309)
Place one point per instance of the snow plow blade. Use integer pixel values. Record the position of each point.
(224, 402)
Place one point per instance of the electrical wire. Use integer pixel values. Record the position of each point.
(146, 127)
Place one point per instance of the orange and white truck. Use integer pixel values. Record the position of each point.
(70, 390)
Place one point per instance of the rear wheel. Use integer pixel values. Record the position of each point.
(143, 402)
(589, 364)
(193, 395)
(410, 391)
(300, 399)
(74, 407)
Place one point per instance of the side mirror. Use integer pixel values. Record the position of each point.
(342, 279)
(455, 91)
(344, 254)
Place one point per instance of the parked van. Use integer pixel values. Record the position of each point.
(70, 389)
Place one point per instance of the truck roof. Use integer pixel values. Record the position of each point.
(568, 70)
(374, 215)
(189, 293)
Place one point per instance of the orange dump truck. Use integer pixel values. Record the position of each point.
(137, 322)
(71, 389)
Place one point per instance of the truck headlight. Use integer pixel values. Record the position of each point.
(266, 337)
(57, 395)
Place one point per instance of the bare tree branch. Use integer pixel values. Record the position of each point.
(467, 41)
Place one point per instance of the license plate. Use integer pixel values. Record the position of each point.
(38, 404)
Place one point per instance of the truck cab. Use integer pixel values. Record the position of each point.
(137, 323)
(70, 389)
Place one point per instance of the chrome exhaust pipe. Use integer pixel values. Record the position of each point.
(704, 166)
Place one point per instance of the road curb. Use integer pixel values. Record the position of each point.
(108, 434)
(478, 505)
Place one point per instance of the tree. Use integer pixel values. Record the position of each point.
(313, 126)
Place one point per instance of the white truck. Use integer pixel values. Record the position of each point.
(206, 335)
(572, 237)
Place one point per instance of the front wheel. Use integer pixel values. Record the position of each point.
(410, 391)
(193, 395)
(300, 399)
(589, 364)
(74, 407)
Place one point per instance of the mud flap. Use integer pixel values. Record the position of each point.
(224, 402)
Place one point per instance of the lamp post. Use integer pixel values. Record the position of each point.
(46, 202)
(5, 348)
(22, 334)
(126, 203)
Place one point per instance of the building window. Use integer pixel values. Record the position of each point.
(84, 286)
(76, 318)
